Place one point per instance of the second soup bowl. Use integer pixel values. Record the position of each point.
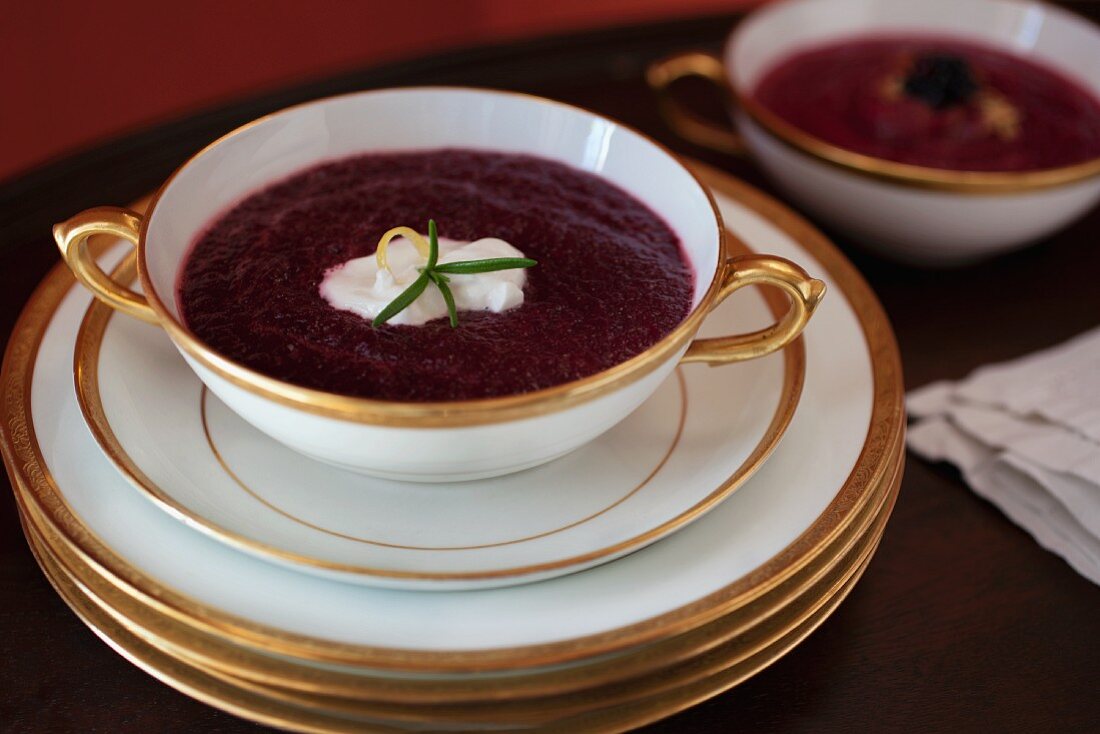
(434, 441)
(915, 214)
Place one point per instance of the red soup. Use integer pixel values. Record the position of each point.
(935, 102)
(611, 278)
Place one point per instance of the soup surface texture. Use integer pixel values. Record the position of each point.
(611, 278)
(935, 102)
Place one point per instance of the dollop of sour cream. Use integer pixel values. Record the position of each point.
(362, 287)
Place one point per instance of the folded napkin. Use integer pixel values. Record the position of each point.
(1026, 436)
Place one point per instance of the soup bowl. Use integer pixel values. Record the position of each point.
(433, 441)
(912, 213)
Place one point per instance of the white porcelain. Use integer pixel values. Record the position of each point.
(433, 454)
(622, 491)
(415, 119)
(903, 221)
(788, 495)
(437, 442)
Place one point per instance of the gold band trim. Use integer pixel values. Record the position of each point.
(224, 464)
(251, 669)
(658, 696)
(232, 697)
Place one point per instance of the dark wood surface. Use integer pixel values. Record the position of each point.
(962, 622)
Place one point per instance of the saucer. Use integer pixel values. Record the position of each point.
(834, 457)
(681, 453)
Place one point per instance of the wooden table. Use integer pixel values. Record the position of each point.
(962, 622)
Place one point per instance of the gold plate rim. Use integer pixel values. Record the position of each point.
(857, 549)
(25, 466)
(639, 713)
(89, 341)
(539, 711)
(225, 695)
(150, 626)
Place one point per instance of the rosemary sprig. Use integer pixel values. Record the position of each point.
(435, 273)
(404, 300)
(433, 246)
(467, 267)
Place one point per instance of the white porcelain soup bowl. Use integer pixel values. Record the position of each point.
(448, 440)
(912, 213)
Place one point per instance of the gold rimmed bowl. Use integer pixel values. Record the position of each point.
(912, 213)
(442, 441)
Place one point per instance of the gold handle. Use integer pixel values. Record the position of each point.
(805, 293)
(72, 237)
(662, 74)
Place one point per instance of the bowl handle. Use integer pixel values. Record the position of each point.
(805, 294)
(72, 238)
(662, 74)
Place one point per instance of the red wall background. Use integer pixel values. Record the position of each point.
(73, 72)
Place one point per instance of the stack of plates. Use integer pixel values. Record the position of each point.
(300, 596)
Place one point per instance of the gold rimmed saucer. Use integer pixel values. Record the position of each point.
(727, 650)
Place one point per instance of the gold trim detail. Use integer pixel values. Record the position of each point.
(714, 673)
(26, 467)
(224, 464)
(72, 239)
(543, 710)
(662, 74)
(248, 669)
(805, 295)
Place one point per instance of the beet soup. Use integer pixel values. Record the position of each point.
(935, 102)
(611, 278)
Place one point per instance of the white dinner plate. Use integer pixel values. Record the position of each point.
(834, 453)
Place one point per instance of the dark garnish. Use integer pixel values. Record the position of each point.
(940, 80)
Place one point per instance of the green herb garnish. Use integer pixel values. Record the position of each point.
(437, 274)
(488, 265)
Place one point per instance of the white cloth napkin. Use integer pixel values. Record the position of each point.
(1026, 436)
